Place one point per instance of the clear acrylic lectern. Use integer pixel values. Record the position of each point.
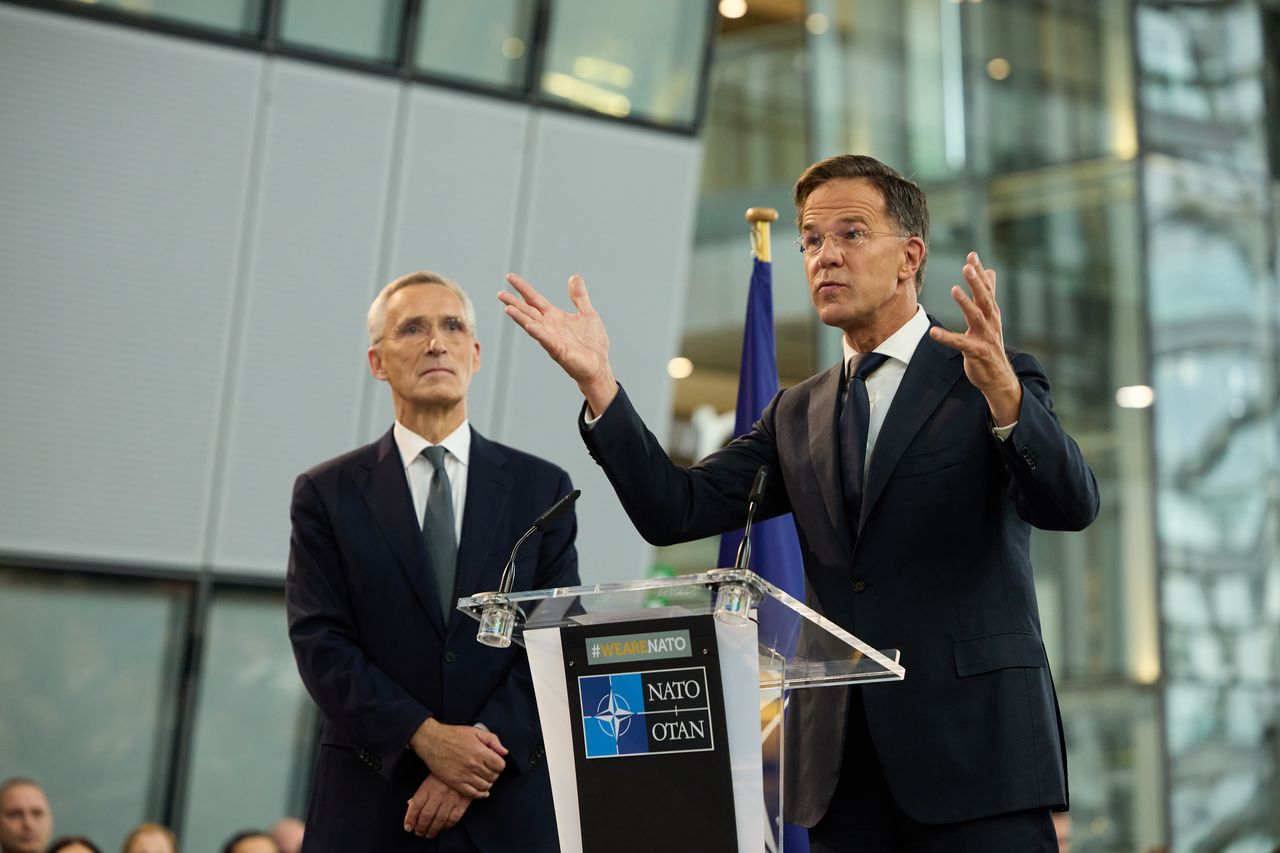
(795, 648)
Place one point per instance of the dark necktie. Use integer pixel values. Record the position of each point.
(854, 420)
(437, 530)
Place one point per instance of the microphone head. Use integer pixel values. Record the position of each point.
(757, 488)
(557, 510)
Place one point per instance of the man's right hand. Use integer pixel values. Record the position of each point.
(577, 342)
(465, 758)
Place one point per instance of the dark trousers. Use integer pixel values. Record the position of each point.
(863, 818)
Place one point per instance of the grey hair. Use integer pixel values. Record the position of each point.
(377, 318)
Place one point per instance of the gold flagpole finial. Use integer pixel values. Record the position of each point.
(760, 217)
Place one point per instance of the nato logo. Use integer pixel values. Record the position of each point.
(643, 713)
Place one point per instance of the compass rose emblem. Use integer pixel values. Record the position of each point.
(613, 715)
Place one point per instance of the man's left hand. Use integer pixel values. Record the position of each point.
(434, 807)
(982, 344)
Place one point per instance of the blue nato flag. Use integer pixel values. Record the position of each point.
(775, 549)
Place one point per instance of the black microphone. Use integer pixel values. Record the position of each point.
(753, 502)
(546, 520)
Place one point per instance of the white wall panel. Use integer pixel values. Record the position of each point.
(614, 204)
(456, 213)
(122, 179)
(318, 219)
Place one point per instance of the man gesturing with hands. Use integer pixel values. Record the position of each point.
(915, 469)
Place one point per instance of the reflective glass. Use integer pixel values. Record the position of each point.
(1049, 82)
(1201, 81)
(89, 677)
(254, 725)
(1113, 742)
(886, 79)
(242, 17)
(366, 30)
(490, 43)
(638, 60)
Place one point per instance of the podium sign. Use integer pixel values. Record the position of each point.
(662, 714)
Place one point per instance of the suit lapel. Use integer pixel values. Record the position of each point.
(489, 488)
(386, 492)
(824, 448)
(934, 368)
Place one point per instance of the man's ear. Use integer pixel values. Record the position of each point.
(475, 358)
(375, 364)
(913, 250)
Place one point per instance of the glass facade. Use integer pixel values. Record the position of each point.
(1206, 76)
(1116, 164)
(490, 49)
(641, 60)
(240, 17)
(100, 684)
(91, 677)
(368, 30)
(642, 63)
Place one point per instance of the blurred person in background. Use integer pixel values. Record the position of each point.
(1062, 826)
(287, 833)
(74, 844)
(26, 822)
(251, 841)
(151, 838)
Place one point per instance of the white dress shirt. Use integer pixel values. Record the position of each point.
(418, 470)
(882, 385)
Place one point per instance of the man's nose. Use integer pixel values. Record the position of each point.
(829, 253)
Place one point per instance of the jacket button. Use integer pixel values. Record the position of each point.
(1029, 457)
(450, 657)
(859, 585)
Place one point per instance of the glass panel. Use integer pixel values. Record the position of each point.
(1201, 88)
(1113, 742)
(1050, 82)
(366, 30)
(254, 726)
(886, 80)
(489, 43)
(1213, 303)
(89, 679)
(817, 652)
(243, 17)
(642, 60)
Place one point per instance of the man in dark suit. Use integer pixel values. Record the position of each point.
(428, 740)
(915, 470)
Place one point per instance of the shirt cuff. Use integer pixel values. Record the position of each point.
(1003, 432)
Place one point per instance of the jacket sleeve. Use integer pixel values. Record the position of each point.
(1049, 481)
(359, 698)
(668, 503)
(512, 712)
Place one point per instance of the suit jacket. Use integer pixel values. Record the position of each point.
(378, 658)
(939, 568)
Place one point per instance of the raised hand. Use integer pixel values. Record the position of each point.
(982, 343)
(465, 758)
(434, 807)
(577, 342)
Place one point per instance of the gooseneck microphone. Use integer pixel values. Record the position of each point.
(753, 503)
(545, 521)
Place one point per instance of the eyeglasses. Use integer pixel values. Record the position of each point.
(811, 242)
(417, 331)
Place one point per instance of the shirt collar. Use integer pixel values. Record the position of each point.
(411, 445)
(901, 345)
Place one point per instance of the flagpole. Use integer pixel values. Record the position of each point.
(760, 217)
